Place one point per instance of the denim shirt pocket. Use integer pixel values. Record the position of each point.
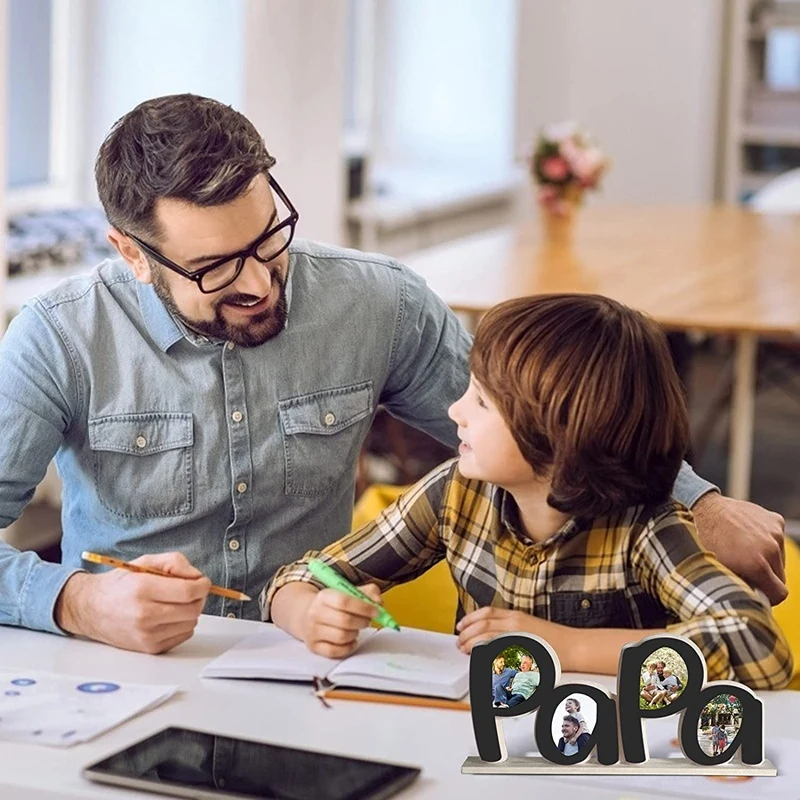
(606, 609)
(143, 463)
(321, 439)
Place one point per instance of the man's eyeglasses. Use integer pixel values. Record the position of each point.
(225, 271)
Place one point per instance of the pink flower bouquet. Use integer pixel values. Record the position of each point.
(565, 164)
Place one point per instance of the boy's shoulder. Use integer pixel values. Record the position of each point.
(657, 517)
(451, 496)
(460, 489)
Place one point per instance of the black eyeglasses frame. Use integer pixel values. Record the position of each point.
(197, 276)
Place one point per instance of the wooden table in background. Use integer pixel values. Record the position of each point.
(717, 269)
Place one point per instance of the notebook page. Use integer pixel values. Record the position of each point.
(410, 660)
(270, 654)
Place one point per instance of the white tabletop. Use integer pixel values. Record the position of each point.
(436, 740)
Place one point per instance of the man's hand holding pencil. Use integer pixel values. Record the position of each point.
(149, 612)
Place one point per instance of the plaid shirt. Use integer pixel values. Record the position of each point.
(640, 568)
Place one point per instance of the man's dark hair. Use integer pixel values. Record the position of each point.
(180, 146)
(570, 718)
(589, 392)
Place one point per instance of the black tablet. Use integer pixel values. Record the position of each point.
(188, 763)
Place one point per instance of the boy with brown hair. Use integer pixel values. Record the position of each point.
(557, 513)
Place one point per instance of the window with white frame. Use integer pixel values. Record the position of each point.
(41, 92)
(444, 85)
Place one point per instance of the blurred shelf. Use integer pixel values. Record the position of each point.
(778, 135)
(22, 287)
(409, 196)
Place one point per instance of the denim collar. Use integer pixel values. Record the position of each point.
(160, 323)
(165, 329)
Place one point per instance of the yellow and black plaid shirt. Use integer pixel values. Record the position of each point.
(641, 568)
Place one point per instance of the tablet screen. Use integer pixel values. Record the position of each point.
(191, 763)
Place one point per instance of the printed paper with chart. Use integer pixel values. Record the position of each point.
(61, 710)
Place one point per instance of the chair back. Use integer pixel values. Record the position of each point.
(779, 196)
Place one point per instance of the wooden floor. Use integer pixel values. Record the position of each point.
(776, 453)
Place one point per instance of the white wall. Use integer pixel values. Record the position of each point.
(294, 93)
(642, 76)
(145, 48)
(279, 62)
(3, 70)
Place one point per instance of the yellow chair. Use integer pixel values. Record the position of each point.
(787, 614)
(430, 601)
(427, 602)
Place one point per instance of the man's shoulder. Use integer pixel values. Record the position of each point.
(317, 263)
(345, 256)
(101, 279)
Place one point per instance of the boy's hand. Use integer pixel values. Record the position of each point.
(488, 622)
(333, 620)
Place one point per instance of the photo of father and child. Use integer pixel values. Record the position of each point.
(515, 677)
(663, 679)
(719, 724)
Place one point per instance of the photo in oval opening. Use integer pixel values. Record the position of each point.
(719, 724)
(663, 678)
(515, 677)
(573, 723)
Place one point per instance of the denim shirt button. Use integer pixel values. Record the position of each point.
(141, 441)
(241, 487)
(236, 416)
(330, 418)
(230, 345)
(233, 544)
(586, 603)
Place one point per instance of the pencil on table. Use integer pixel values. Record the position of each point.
(393, 699)
(95, 558)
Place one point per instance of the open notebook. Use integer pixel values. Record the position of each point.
(410, 661)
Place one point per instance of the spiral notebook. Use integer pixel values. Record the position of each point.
(410, 661)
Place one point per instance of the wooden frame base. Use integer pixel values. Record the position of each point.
(536, 765)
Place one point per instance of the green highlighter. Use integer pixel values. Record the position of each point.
(333, 580)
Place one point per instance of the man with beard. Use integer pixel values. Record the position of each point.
(206, 396)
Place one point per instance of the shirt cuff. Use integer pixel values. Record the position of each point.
(291, 574)
(690, 487)
(40, 593)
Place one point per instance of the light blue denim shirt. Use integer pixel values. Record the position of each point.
(240, 458)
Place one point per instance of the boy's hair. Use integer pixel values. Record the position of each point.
(577, 704)
(589, 391)
(180, 146)
(652, 665)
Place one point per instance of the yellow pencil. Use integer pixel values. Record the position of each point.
(231, 594)
(393, 699)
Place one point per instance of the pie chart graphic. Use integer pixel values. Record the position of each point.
(98, 687)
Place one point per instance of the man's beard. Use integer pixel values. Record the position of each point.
(254, 332)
